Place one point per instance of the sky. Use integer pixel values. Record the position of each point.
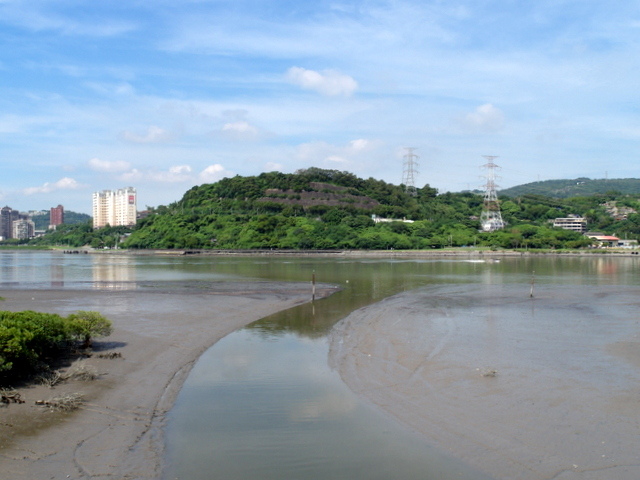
(165, 95)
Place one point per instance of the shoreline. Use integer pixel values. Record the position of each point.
(118, 433)
(468, 253)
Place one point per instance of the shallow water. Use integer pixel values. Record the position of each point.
(263, 402)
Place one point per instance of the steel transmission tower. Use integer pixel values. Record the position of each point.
(409, 171)
(491, 218)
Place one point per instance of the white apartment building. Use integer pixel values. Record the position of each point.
(575, 223)
(115, 207)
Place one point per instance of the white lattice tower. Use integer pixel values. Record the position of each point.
(491, 218)
(409, 171)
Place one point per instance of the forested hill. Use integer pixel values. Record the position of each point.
(575, 188)
(329, 209)
(317, 209)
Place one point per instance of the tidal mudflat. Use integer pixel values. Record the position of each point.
(521, 388)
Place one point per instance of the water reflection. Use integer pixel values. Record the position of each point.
(113, 272)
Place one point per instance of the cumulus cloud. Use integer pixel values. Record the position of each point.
(108, 166)
(213, 173)
(153, 134)
(485, 118)
(65, 183)
(327, 82)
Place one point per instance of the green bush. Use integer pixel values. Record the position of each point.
(85, 326)
(28, 338)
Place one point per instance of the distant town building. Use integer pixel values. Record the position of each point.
(14, 224)
(575, 223)
(57, 217)
(114, 207)
(23, 228)
(7, 216)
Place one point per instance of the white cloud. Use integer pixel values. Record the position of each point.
(240, 130)
(327, 82)
(108, 166)
(176, 174)
(153, 134)
(486, 118)
(323, 153)
(65, 183)
(213, 173)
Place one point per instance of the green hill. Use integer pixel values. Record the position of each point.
(575, 188)
(70, 218)
(317, 209)
(329, 209)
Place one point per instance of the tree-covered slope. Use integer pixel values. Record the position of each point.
(575, 188)
(328, 209)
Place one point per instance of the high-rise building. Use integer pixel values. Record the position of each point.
(56, 217)
(7, 217)
(115, 208)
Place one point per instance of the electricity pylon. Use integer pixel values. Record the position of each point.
(409, 171)
(491, 218)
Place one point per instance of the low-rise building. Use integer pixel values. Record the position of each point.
(575, 223)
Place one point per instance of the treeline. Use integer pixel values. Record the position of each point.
(330, 209)
(81, 235)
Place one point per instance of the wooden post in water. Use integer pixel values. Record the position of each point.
(533, 281)
(313, 286)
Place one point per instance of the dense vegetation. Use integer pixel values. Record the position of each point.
(33, 340)
(81, 235)
(330, 209)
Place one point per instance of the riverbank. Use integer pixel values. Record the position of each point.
(519, 388)
(473, 253)
(158, 335)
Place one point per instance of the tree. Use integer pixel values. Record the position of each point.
(86, 325)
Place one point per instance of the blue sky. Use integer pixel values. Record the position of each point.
(164, 95)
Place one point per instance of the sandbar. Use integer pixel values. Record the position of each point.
(158, 333)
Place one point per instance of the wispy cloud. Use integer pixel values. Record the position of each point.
(327, 82)
(154, 134)
(99, 165)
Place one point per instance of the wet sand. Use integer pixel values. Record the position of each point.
(117, 434)
(519, 388)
